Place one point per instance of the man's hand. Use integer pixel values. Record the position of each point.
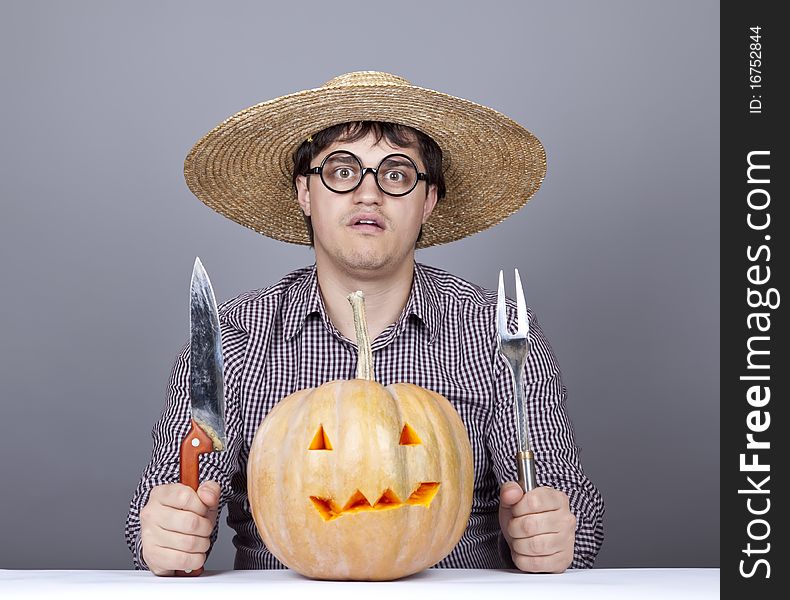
(539, 527)
(176, 525)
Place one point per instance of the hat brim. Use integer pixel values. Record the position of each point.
(243, 167)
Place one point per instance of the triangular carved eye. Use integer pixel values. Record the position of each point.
(320, 440)
(409, 437)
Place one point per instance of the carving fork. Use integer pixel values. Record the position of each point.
(515, 348)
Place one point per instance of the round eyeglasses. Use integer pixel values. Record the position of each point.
(342, 172)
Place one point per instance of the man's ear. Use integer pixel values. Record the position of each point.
(430, 201)
(303, 194)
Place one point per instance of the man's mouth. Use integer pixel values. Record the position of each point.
(367, 223)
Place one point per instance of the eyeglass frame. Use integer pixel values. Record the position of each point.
(365, 170)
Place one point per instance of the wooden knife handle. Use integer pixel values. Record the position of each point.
(195, 443)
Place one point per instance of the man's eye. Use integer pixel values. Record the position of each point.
(395, 176)
(343, 173)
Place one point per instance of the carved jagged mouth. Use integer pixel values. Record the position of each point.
(329, 510)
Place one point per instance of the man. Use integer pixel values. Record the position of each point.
(379, 168)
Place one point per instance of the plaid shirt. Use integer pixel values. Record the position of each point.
(279, 340)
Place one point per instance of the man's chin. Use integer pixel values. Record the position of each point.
(362, 257)
(372, 260)
(367, 262)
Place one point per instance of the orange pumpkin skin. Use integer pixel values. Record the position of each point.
(298, 495)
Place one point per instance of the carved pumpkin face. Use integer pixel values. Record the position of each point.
(329, 508)
(353, 480)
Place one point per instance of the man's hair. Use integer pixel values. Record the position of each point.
(394, 133)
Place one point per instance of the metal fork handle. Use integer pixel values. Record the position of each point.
(525, 463)
(517, 371)
(525, 460)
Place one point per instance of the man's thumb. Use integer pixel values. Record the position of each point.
(209, 493)
(509, 494)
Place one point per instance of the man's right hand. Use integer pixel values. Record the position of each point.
(176, 525)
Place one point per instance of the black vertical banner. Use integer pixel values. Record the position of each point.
(754, 368)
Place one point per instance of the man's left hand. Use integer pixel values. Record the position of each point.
(539, 527)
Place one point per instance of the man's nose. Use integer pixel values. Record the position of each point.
(368, 191)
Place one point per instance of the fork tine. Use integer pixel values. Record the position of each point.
(521, 305)
(501, 315)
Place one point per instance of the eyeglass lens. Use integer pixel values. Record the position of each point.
(342, 171)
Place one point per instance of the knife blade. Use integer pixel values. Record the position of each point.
(206, 383)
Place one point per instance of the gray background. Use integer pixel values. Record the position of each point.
(101, 102)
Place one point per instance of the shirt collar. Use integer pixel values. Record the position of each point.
(304, 299)
(423, 302)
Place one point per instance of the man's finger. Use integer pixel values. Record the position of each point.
(180, 496)
(209, 492)
(187, 522)
(539, 545)
(541, 499)
(554, 563)
(174, 560)
(181, 542)
(509, 494)
(531, 525)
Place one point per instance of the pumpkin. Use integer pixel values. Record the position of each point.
(356, 481)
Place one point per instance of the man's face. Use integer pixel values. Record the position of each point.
(338, 235)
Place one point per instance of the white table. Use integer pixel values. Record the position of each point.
(592, 584)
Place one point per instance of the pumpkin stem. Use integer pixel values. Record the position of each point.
(365, 359)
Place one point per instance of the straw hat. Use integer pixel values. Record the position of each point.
(243, 167)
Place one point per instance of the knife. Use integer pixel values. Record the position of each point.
(206, 384)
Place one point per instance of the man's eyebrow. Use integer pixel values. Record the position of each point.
(399, 160)
(344, 158)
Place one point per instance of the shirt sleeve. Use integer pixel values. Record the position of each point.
(167, 433)
(552, 440)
